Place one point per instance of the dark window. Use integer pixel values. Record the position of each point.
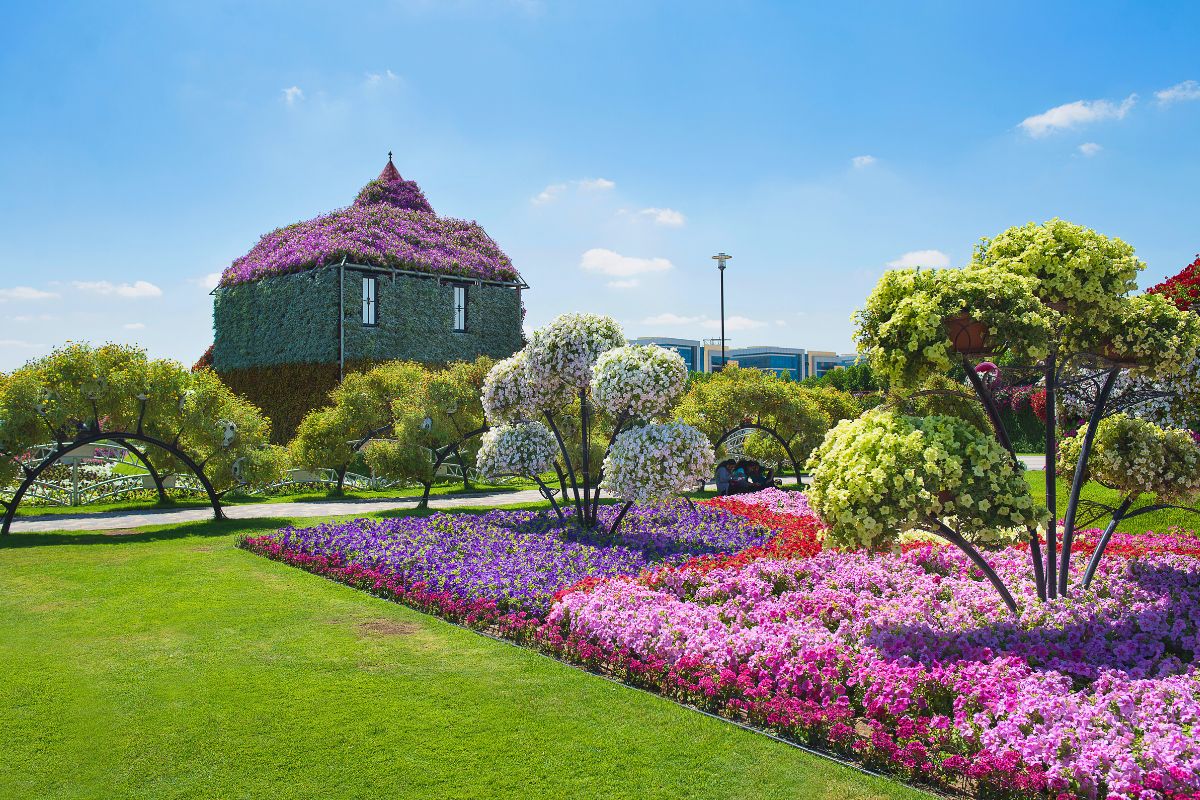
(460, 309)
(370, 300)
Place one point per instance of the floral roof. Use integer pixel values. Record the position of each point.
(390, 225)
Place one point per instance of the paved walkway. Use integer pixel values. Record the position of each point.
(115, 520)
(1034, 462)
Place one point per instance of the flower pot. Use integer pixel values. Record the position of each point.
(968, 335)
(1116, 357)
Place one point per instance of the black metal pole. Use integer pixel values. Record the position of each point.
(1051, 480)
(1103, 543)
(956, 539)
(587, 519)
(1085, 450)
(721, 268)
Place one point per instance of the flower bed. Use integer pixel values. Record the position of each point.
(907, 662)
(517, 559)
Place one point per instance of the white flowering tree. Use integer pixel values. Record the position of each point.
(577, 381)
(1052, 300)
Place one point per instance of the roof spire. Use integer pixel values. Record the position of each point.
(390, 173)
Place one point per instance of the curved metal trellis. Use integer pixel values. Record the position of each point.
(757, 426)
(63, 448)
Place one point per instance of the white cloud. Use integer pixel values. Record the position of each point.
(862, 162)
(921, 258)
(376, 78)
(137, 289)
(1180, 92)
(35, 318)
(207, 281)
(1070, 115)
(782, 323)
(596, 184)
(25, 293)
(134, 326)
(667, 318)
(555, 190)
(608, 262)
(293, 95)
(734, 323)
(630, 283)
(1090, 149)
(667, 217)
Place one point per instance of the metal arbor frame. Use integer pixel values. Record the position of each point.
(1052, 572)
(62, 448)
(585, 500)
(756, 426)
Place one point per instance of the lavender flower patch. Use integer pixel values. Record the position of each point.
(521, 559)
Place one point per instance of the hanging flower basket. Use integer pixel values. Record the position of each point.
(1117, 357)
(968, 335)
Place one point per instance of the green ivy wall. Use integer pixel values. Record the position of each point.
(276, 340)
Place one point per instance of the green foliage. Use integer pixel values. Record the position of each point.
(81, 389)
(1133, 455)
(293, 319)
(1150, 330)
(1072, 265)
(735, 396)
(944, 396)
(902, 328)
(884, 473)
(856, 378)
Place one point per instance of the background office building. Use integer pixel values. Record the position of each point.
(796, 363)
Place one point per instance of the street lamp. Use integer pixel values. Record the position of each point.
(721, 258)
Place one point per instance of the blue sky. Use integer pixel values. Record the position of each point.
(610, 148)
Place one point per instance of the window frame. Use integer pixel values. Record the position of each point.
(455, 307)
(370, 300)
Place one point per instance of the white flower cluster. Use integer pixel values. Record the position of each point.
(564, 351)
(1133, 455)
(644, 380)
(521, 448)
(655, 462)
(504, 398)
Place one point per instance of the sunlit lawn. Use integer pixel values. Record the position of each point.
(172, 664)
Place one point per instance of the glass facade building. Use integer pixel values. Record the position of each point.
(795, 363)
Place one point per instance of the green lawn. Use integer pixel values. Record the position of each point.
(1157, 521)
(169, 663)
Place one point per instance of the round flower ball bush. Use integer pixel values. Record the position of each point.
(1134, 455)
(1072, 265)
(563, 352)
(522, 448)
(1157, 337)
(902, 327)
(504, 395)
(655, 462)
(882, 474)
(644, 381)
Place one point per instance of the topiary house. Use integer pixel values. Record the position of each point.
(385, 278)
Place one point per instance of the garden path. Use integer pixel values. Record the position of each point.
(116, 520)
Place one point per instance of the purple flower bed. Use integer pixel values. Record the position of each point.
(520, 559)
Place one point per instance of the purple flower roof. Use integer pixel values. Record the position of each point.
(390, 225)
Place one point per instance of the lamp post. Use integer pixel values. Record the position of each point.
(721, 258)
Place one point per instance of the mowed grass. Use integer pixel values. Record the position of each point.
(1158, 521)
(170, 664)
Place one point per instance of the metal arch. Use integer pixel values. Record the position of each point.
(443, 453)
(64, 448)
(757, 426)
